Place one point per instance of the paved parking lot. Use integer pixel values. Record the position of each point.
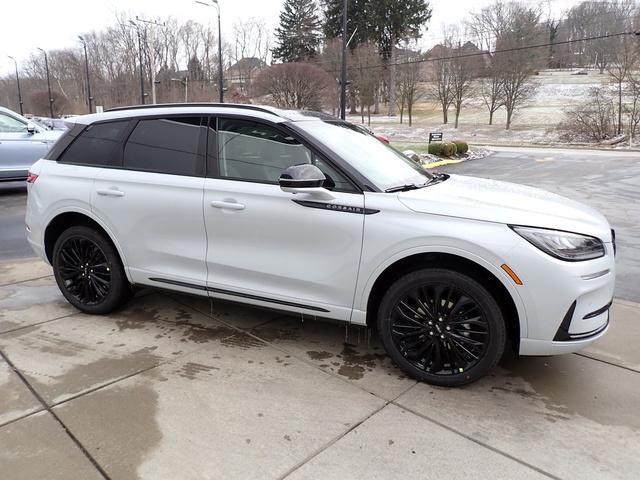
(176, 387)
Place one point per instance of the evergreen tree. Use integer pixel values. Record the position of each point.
(298, 34)
(384, 22)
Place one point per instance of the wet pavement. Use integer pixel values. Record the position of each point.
(173, 386)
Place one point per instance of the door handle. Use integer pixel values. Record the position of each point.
(227, 205)
(110, 192)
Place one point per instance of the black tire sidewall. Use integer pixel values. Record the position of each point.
(471, 288)
(119, 290)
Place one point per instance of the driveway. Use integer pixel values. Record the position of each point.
(176, 387)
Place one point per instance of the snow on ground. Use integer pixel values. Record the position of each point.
(533, 124)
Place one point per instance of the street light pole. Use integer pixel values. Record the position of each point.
(140, 57)
(152, 54)
(214, 3)
(86, 66)
(18, 82)
(343, 76)
(46, 66)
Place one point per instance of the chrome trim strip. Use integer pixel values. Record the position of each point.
(591, 276)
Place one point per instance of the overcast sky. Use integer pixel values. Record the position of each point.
(50, 24)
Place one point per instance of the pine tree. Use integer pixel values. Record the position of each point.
(298, 34)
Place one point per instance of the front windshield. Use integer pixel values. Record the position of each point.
(381, 164)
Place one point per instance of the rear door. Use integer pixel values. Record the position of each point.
(152, 201)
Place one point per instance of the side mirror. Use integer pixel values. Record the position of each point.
(31, 128)
(304, 178)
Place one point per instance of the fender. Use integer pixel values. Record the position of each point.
(362, 294)
(87, 213)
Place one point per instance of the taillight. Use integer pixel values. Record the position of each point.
(31, 177)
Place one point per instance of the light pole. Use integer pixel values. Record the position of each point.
(343, 76)
(140, 57)
(46, 66)
(184, 81)
(18, 82)
(86, 66)
(152, 54)
(214, 3)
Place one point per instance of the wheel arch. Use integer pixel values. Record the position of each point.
(62, 221)
(511, 307)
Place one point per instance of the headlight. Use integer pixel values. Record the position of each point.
(568, 246)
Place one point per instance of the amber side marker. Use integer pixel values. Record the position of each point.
(511, 273)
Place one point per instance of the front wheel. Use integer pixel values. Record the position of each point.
(89, 272)
(441, 327)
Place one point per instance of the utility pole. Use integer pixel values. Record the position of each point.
(343, 76)
(152, 53)
(142, 94)
(18, 82)
(46, 66)
(86, 66)
(216, 5)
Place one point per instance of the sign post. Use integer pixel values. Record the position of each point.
(435, 137)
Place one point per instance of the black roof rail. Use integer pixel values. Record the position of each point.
(202, 104)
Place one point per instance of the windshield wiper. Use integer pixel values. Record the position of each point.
(404, 188)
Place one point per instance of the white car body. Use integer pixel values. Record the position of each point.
(250, 242)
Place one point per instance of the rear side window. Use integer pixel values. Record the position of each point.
(166, 145)
(97, 145)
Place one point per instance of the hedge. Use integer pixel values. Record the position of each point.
(462, 147)
(443, 149)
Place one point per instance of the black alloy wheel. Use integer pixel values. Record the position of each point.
(442, 327)
(85, 270)
(88, 271)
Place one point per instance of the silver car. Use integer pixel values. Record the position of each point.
(22, 143)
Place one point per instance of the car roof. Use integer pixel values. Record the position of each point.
(262, 112)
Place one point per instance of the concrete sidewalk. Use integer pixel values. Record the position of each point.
(173, 387)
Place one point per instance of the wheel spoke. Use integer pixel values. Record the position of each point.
(439, 329)
(84, 268)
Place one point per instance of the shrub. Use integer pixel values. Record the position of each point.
(435, 148)
(462, 147)
(449, 149)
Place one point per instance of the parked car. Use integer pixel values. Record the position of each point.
(22, 142)
(279, 209)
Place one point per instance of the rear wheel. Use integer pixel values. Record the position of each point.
(89, 272)
(441, 327)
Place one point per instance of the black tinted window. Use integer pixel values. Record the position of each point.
(167, 145)
(252, 151)
(97, 145)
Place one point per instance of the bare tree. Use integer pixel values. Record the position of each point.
(440, 78)
(251, 46)
(293, 85)
(408, 85)
(492, 90)
(515, 61)
(464, 70)
(365, 81)
(633, 112)
(594, 120)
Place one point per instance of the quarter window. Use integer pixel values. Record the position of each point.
(256, 152)
(166, 145)
(96, 146)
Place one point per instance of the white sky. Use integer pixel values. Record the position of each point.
(51, 24)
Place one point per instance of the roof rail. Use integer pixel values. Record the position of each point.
(202, 104)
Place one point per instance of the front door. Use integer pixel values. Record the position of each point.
(19, 149)
(275, 248)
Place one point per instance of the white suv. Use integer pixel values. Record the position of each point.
(305, 213)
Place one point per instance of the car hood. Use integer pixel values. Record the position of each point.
(51, 135)
(509, 203)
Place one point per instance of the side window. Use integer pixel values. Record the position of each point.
(97, 145)
(166, 145)
(8, 124)
(255, 152)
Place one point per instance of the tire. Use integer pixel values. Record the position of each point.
(436, 345)
(89, 272)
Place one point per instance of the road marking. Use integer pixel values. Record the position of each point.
(545, 159)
